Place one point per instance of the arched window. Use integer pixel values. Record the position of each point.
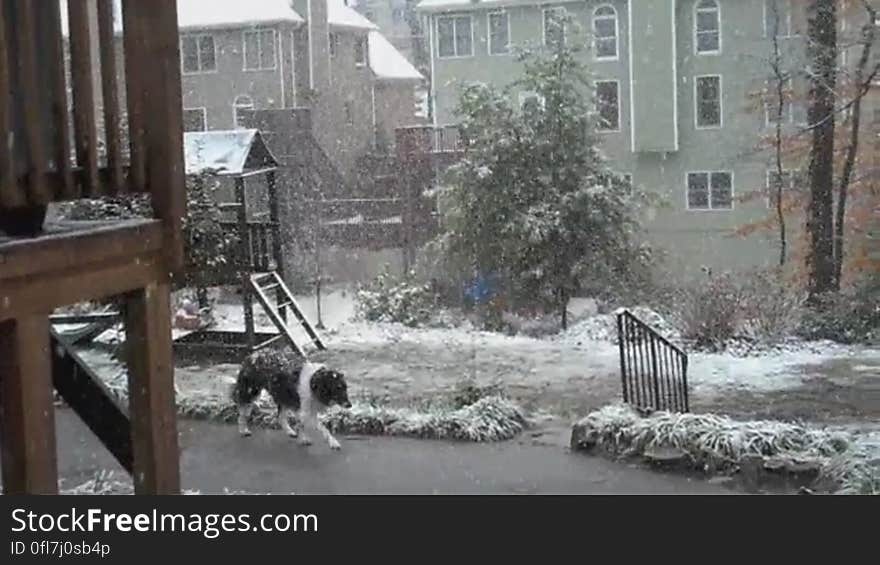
(605, 32)
(242, 102)
(707, 26)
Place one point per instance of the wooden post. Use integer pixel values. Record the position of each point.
(151, 390)
(27, 414)
(245, 263)
(277, 243)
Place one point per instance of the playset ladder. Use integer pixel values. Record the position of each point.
(265, 283)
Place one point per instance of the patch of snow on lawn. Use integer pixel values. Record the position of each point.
(776, 370)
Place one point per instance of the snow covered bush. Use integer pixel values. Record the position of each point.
(721, 444)
(390, 298)
(772, 306)
(467, 392)
(709, 313)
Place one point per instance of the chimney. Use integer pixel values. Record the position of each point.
(317, 28)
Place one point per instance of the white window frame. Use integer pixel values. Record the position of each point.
(792, 176)
(204, 112)
(616, 33)
(789, 19)
(333, 44)
(525, 95)
(697, 102)
(198, 37)
(619, 115)
(454, 17)
(236, 106)
(365, 51)
(258, 32)
(544, 12)
(506, 15)
(697, 32)
(789, 119)
(710, 208)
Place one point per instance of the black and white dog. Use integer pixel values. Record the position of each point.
(296, 386)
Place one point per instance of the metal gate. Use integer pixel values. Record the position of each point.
(653, 371)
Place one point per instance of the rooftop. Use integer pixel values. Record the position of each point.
(387, 63)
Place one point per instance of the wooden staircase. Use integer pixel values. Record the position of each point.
(276, 299)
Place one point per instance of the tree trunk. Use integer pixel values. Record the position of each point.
(862, 84)
(780, 76)
(822, 31)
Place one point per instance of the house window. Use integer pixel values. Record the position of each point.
(454, 36)
(241, 103)
(499, 33)
(771, 106)
(778, 18)
(530, 101)
(708, 101)
(605, 32)
(259, 50)
(198, 54)
(608, 105)
(360, 51)
(791, 180)
(334, 44)
(194, 119)
(707, 27)
(554, 26)
(710, 191)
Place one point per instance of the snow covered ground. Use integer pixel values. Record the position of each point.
(566, 375)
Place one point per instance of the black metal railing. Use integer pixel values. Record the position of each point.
(653, 371)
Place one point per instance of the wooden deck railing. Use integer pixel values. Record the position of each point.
(57, 151)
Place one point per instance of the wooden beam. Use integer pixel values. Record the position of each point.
(163, 102)
(134, 60)
(90, 243)
(26, 59)
(110, 83)
(30, 295)
(85, 124)
(63, 182)
(27, 414)
(95, 405)
(10, 195)
(156, 468)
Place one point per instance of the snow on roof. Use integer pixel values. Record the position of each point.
(387, 63)
(340, 15)
(226, 153)
(449, 5)
(203, 14)
(199, 14)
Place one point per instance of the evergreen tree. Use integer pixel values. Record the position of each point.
(533, 204)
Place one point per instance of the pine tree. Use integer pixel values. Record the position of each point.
(533, 204)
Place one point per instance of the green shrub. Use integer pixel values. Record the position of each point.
(390, 298)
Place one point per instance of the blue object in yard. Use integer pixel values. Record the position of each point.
(481, 289)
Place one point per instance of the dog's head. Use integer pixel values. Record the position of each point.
(329, 387)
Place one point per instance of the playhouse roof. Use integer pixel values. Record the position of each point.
(227, 153)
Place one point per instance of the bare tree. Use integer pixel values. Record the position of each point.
(780, 77)
(822, 52)
(864, 77)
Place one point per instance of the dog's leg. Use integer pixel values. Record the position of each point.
(244, 415)
(303, 419)
(284, 421)
(331, 441)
